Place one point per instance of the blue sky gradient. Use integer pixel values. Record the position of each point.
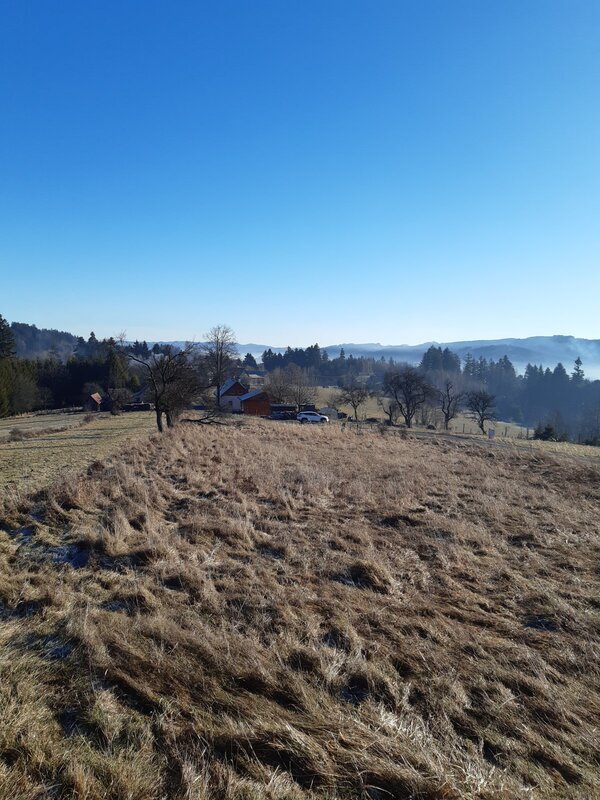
(303, 171)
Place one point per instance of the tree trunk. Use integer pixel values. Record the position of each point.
(170, 421)
(159, 422)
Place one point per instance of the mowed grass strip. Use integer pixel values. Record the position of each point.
(35, 462)
(276, 611)
(31, 424)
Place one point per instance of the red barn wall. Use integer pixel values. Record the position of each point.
(259, 406)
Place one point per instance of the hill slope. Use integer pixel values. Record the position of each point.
(268, 611)
(33, 342)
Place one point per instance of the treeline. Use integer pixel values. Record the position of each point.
(101, 366)
(325, 371)
(118, 373)
(32, 342)
(559, 403)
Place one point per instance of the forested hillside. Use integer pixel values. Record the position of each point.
(34, 342)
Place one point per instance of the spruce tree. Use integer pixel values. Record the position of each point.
(8, 347)
(4, 404)
(578, 373)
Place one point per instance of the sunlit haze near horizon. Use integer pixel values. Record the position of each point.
(302, 171)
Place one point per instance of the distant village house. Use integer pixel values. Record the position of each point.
(231, 393)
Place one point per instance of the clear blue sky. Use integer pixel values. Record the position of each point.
(303, 171)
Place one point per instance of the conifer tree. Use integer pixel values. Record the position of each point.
(7, 340)
(7, 353)
(4, 404)
(578, 373)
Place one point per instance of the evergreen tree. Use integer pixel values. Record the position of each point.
(470, 366)
(432, 360)
(7, 353)
(80, 347)
(450, 361)
(270, 360)
(4, 405)
(312, 357)
(578, 373)
(560, 375)
(7, 340)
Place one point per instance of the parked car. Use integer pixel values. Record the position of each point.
(311, 416)
(283, 415)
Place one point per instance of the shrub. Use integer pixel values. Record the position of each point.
(546, 433)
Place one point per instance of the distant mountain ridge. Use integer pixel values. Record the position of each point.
(545, 350)
(35, 342)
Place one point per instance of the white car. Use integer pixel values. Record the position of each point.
(311, 416)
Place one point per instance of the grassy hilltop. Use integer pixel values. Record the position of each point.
(265, 610)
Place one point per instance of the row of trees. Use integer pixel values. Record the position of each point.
(406, 390)
(403, 392)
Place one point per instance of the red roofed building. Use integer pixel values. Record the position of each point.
(231, 392)
(257, 403)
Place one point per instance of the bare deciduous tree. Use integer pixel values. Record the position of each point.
(220, 352)
(389, 408)
(409, 389)
(277, 385)
(352, 393)
(482, 407)
(301, 390)
(174, 379)
(428, 415)
(589, 424)
(292, 384)
(450, 399)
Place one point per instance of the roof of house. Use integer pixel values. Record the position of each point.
(253, 393)
(229, 384)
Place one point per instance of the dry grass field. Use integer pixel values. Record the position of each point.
(31, 424)
(261, 610)
(506, 432)
(33, 462)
